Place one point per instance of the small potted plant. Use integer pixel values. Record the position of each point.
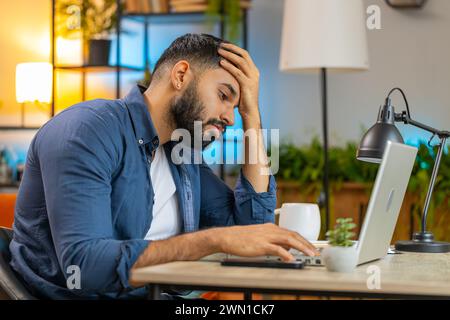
(95, 20)
(341, 255)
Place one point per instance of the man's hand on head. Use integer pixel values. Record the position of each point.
(240, 65)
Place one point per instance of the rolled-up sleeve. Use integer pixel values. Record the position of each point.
(77, 167)
(221, 206)
(253, 207)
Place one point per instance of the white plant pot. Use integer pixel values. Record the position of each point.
(340, 259)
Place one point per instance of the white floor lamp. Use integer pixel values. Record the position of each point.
(322, 36)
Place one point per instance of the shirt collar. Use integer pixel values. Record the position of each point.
(142, 122)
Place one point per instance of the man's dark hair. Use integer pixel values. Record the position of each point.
(200, 50)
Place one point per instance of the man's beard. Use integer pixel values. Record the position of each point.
(187, 109)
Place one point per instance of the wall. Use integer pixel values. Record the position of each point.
(24, 37)
(411, 51)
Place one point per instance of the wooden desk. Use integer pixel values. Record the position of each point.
(406, 275)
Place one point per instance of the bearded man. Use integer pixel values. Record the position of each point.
(101, 193)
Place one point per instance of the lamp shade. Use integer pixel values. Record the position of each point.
(324, 34)
(374, 141)
(34, 82)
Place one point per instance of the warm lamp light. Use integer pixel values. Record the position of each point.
(34, 82)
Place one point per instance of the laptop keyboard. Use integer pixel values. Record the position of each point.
(309, 261)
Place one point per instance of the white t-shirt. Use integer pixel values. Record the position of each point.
(166, 220)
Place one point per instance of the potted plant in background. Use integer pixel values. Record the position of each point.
(229, 11)
(94, 21)
(299, 179)
(341, 255)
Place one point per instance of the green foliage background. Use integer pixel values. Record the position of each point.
(228, 11)
(304, 164)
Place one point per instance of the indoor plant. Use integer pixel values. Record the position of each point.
(231, 11)
(94, 21)
(341, 255)
(303, 166)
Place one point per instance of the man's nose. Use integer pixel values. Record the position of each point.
(228, 117)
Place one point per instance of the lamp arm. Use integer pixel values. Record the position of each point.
(443, 135)
(406, 119)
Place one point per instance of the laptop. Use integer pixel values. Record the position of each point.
(383, 209)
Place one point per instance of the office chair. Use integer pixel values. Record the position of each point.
(9, 282)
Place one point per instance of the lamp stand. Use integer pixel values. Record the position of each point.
(371, 147)
(424, 241)
(22, 114)
(326, 183)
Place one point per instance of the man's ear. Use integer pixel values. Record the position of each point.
(180, 74)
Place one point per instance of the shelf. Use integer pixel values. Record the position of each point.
(3, 128)
(99, 68)
(169, 17)
(13, 189)
(163, 14)
(9, 186)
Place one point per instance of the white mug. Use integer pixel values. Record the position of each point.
(303, 218)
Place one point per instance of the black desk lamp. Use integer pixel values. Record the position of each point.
(371, 149)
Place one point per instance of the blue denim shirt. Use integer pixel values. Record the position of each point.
(86, 200)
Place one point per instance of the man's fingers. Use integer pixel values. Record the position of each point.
(237, 73)
(275, 250)
(283, 232)
(236, 49)
(309, 244)
(236, 60)
(300, 238)
(242, 52)
(294, 242)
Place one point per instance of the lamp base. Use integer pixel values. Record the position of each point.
(423, 242)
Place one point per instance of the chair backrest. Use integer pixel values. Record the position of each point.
(9, 282)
